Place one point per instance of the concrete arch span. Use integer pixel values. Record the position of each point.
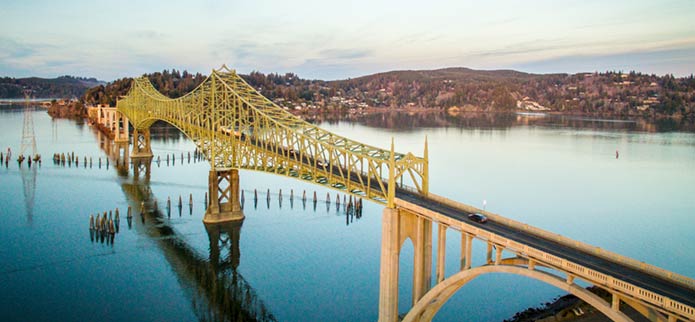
(429, 305)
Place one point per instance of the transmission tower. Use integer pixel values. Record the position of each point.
(28, 138)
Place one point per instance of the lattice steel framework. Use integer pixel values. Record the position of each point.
(237, 127)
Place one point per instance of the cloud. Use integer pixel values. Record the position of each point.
(678, 61)
(344, 53)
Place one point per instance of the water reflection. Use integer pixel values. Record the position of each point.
(29, 189)
(405, 121)
(218, 292)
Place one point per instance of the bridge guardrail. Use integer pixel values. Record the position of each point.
(588, 274)
(639, 265)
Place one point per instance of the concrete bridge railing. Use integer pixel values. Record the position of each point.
(572, 268)
(642, 266)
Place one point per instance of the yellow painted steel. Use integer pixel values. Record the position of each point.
(237, 127)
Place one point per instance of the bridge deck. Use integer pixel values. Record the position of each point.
(638, 278)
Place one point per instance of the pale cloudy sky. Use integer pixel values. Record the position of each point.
(340, 39)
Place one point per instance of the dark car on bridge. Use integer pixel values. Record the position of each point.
(478, 217)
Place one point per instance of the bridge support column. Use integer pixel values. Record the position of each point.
(498, 255)
(441, 251)
(488, 254)
(223, 201)
(388, 275)
(422, 268)
(121, 134)
(615, 305)
(141, 144)
(466, 250)
(397, 226)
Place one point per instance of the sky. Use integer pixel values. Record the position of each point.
(343, 39)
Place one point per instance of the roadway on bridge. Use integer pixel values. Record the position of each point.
(638, 278)
(633, 276)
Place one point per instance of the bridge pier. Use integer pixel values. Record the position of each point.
(141, 144)
(223, 203)
(397, 226)
(122, 131)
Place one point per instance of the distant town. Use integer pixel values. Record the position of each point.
(452, 89)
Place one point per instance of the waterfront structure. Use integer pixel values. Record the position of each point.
(237, 128)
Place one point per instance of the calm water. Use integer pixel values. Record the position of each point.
(294, 262)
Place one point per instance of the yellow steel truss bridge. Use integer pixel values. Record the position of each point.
(238, 128)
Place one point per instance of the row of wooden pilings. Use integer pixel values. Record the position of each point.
(105, 226)
(69, 159)
(6, 159)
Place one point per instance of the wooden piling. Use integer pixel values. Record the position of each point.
(180, 202)
(130, 212)
(304, 195)
(315, 196)
(190, 197)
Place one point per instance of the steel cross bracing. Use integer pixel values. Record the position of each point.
(237, 127)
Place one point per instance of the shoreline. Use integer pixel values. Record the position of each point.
(570, 308)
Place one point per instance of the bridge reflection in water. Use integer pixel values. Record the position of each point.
(218, 292)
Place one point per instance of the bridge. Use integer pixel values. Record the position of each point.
(237, 128)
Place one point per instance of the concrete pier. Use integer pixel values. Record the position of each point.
(223, 203)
